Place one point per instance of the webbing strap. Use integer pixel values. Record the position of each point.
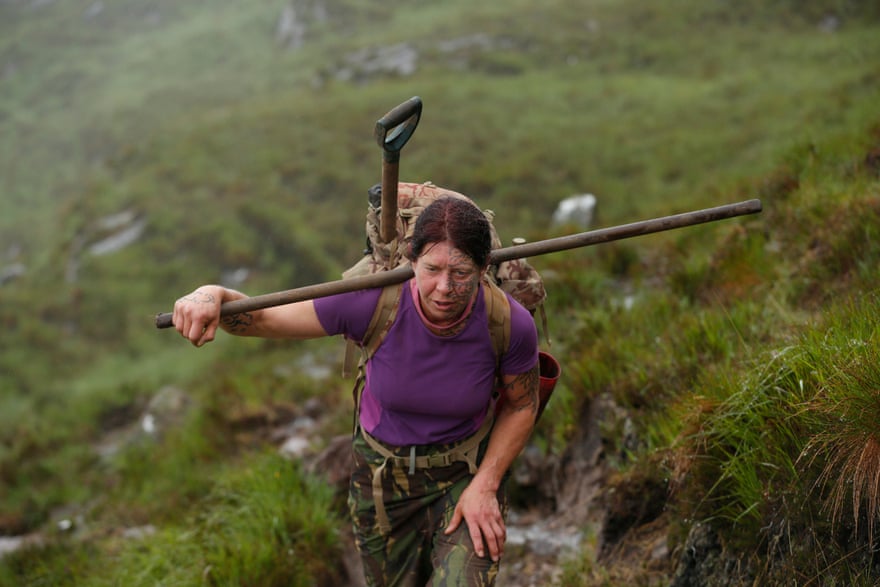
(350, 358)
(384, 314)
(498, 312)
(386, 311)
(466, 452)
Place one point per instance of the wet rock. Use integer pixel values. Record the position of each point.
(544, 537)
(703, 562)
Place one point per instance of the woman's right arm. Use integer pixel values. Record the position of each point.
(197, 316)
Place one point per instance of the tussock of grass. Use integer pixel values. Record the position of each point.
(804, 426)
(845, 445)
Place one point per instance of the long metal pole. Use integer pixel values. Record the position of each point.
(615, 233)
(553, 245)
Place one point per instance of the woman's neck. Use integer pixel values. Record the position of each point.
(444, 329)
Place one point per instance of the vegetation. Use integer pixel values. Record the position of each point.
(741, 357)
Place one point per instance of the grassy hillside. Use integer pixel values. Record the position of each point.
(738, 344)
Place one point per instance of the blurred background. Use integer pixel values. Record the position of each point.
(150, 146)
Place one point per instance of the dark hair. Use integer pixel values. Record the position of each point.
(458, 221)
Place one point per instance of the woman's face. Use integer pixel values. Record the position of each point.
(447, 280)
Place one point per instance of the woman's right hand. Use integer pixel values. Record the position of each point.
(197, 315)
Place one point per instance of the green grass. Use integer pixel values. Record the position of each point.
(266, 523)
(240, 153)
(789, 451)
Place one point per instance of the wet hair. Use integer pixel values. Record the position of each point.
(458, 221)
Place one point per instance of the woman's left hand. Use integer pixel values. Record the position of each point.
(478, 505)
(479, 508)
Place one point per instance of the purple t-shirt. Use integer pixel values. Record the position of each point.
(422, 388)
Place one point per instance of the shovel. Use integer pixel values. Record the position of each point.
(392, 132)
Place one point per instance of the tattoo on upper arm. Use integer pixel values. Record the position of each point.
(522, 392)
(238, 322)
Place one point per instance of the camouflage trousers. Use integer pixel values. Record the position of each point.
(416, 553)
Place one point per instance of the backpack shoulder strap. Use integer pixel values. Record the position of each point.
(386, 309)
(498, 311)
(383, 315)
(380, 323)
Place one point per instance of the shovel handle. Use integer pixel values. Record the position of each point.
(392, 132)
(388, 216)
(395, 128)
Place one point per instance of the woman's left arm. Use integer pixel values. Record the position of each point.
(514, 422)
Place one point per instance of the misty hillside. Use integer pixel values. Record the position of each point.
(150, 146)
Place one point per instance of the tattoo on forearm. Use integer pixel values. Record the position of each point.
(522, 392)
(238, 322)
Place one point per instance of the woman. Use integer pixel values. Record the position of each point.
(428, 394)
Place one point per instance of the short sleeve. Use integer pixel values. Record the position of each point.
(348, 313)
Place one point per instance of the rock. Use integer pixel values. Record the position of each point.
(11, 272)
(293, 24)
(298, 443)
(545, 538)
(400, 59)
(119, 240)
(116, 221)
(139, 532)
(480, 41)
(129, 426)
(165, 410)
(14, 267)
(295, 447)
(703, 561)
(94, 9)
(334, 462)
(578, 210)
(10, 544)
(290, 31)
(235, 277)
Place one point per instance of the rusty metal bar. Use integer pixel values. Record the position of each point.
(553, 245)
